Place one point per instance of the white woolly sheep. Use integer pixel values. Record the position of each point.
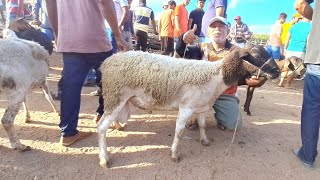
(156, 82)
(23, 65)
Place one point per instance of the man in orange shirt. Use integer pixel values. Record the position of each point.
(166, 27)
(180, 21)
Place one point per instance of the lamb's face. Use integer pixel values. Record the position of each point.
(264, 61)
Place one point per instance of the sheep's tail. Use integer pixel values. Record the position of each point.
(45, 89)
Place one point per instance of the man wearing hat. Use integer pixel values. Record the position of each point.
(287, 25)
(239, 33)
(227, 105)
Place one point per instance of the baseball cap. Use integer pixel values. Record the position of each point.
(218, 18)
(297, 15)
(237, 18)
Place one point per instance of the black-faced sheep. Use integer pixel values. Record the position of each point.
(23, 66)
(288, 67)
(156, 82)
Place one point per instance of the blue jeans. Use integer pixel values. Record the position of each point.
(75, 69)
(274, 51)
(310, 115)
(48, 32)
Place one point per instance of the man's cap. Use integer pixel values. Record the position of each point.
(297, 15)
(237, 18)
(218, 18)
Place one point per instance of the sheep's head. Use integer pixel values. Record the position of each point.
(245, 62)
(264, 61)
(296, 65)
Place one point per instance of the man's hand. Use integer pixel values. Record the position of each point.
(256, 82)
(189, 37)
(122, 44)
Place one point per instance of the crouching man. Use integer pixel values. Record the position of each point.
(227, 105)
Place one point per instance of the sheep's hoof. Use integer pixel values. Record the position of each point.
(119, 126)
(205, 142)
(176, 159)
(105, 163)
(28, 119)
(248, 113)
(22, 148)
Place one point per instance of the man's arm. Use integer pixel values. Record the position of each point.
(153, 23)
(20, 8)
(220, 11)
(109, 12)
(35, 12)
(53, 15)
(176, 24)
(286, 43)
(125, 15)
(304, 8)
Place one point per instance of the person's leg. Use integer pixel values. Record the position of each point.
(144, 41)
(310, 115)
(138, 45)
(96, 60)
(275, 52)
(227, 112)
(170, 45)
(74, 72)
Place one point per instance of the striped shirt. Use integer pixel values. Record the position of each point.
(142, 16)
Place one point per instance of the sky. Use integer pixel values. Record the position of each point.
(259, 15)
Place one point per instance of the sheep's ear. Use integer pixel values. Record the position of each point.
(244, 52)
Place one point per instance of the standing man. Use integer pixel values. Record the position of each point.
(287, 25)
(14, 10)
(181, 19)
(122, 12)
(239, 33)
(80, 34)
(40, 15)
(128, 32)
(310, 115)
(142, 16)
(196, 16)
(215, 8)
(274, 44)
(166, 27)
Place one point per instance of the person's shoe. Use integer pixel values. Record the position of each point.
(96, 93)
(67, 141)
(97, 118)
(309, 166)
(223, 128)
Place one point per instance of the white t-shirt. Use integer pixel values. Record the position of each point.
(118, 4)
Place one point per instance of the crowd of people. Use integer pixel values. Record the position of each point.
(205, 33)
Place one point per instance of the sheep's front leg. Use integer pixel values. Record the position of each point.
(184, 115)
(26, 111)
(250, 91)
(103, 126)
(8, 120)
(202, 126)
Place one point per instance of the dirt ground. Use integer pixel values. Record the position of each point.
(261, 150)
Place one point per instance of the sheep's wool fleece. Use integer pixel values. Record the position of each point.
(160, 76)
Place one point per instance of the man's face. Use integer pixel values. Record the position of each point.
(283, 20)
(129, 3)
(186, 2)
(238, 21)
(218, 32)
(200, 4)
(172, 6)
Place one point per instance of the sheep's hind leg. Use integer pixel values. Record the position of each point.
(8, 121)
(184, 115)
(202, 126)
(122, 117)
(47, 94)
(26, 111)
(103, 126)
